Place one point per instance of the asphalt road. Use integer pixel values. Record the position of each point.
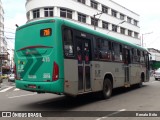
(87, 107)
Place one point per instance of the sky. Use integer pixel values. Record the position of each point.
(14, 13)
(149, 19)
(148, 10)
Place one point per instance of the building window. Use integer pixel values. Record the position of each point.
(122, 30)
(81, 18)
(135, 34)
(94, 22)
(36, 13)
(105, 25)
(104, 9)
(48, 12)
(114, 13)
(82, 1)
(129, 19)
(66, 13)
(135, 22)
(129, 33)
(114, 28)
(94, 5)
(121, 16)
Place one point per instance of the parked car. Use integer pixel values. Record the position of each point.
(4, 76)
(11, 78)
(157, 74)
(1, 80)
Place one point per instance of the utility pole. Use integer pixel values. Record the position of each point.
(143, 36)
(95, 19)
(118, 25)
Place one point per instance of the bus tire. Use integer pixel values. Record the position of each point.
(107, 88)
(141, 82)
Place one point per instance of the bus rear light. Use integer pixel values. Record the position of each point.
(55, 75)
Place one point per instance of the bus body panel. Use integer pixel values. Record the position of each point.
(70, 77)
(135, 71)
(41, 87)
(100, 69)
(36, 57)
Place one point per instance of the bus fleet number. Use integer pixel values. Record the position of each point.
(46, 59)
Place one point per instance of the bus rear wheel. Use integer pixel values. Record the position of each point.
(107, 88)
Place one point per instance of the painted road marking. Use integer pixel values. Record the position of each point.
(16, 89)
(111, 114)
(22, 95)
(4, 90)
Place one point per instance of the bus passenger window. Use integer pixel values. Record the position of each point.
(117, 52)
(68, 43)
(138, 55)
(135, 55)
(142, 57)
(102, 51)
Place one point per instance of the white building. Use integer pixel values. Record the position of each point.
(116, 20)
(154, 58)
(3, 43)
(154, 54)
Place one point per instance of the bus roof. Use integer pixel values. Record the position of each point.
(81, 28)
(90, 31)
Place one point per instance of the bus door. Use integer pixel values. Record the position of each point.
(127, 61)
(83, 59)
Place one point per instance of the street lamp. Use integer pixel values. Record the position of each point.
(145, 34)
(95, 19)
(118, 25)
(122, 22)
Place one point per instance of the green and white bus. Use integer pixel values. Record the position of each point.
(61, 57)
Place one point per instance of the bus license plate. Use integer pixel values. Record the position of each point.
(32, 86)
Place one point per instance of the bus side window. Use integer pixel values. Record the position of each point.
(68, 43)
(117, 52)
(134, 55)
(121, 53)
(142, 57)
(96, 49)
(102, 51)
(138, 55)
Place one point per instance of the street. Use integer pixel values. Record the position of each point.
(131, 99)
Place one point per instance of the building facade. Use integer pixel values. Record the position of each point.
(154, 58)
(3, 43)
(105, 16)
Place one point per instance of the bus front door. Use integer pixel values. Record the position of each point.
(83, 58)
(127, 61)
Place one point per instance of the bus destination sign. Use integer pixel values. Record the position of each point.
(46, 32)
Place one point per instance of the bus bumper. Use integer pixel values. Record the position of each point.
(41, 87)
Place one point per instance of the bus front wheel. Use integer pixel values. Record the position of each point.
(107, 88)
